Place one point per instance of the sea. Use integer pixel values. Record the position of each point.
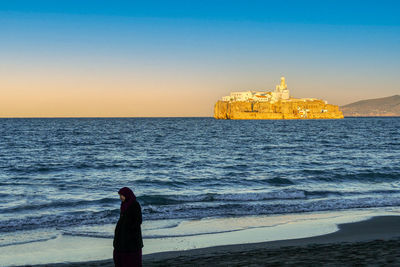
(61, 176)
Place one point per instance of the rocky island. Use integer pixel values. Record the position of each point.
(277, 105)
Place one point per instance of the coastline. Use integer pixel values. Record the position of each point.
(371, 241)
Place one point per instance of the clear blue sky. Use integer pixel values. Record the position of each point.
(362, 12)
(121, 58)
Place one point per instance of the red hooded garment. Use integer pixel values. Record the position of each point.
(129, 198)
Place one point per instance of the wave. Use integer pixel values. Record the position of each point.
(25, 237)
(362, 176)
(208, 198)
(88, 234)
(255, 196)
(211, 197)
(241, 209)
(111, 235)
(59, 204)
(33, 168)
(343, 193)
(278, 181)
(161, 182)
(59, 220)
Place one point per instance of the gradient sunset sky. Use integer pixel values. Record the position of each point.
(177, 58)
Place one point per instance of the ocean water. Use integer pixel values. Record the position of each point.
(61, 176)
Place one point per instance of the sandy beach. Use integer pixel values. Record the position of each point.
(372, 242)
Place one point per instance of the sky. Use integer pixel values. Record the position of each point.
(177, 58)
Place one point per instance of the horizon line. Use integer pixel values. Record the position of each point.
(102, 117)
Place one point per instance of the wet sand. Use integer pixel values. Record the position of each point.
(372, 242)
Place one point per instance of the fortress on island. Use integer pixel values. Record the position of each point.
(277, 105)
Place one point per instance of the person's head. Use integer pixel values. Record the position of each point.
(126, 194)
(127, 198)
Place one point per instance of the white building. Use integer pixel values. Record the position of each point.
(281, 93)
(226, 98)
(241, 96)
(262, 96)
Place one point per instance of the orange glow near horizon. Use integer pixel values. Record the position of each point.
(86, 87)
(129, 98)
(100, 100)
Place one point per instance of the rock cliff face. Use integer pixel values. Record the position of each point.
(280, 110)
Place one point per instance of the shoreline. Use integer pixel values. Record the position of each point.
(374, 240)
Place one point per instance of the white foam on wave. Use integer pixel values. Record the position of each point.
(23, 237)
(107, 230)
(247, 196)
(254, 196)
(197, 210)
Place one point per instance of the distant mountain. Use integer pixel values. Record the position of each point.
(386, 106)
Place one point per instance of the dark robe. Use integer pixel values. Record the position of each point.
(128, 241)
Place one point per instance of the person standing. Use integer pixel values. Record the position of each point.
(128, 241)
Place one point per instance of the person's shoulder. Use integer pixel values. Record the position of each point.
(135, 205)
